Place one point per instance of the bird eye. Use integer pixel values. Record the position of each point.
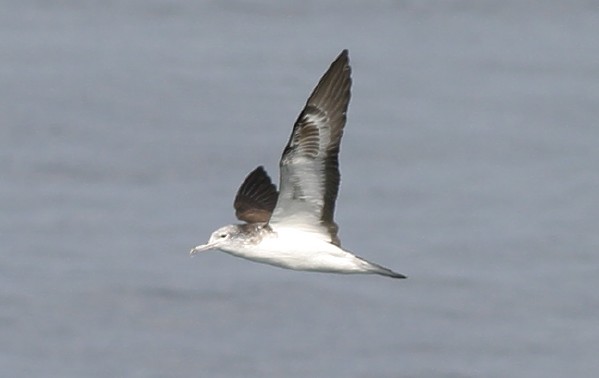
(222, 236)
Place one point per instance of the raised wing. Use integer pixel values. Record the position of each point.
(256, 197)
(309, 166)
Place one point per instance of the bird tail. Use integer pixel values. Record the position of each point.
(379, 269)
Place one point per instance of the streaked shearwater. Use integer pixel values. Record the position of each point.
(294, 228)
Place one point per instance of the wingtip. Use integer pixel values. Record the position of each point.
(343, 56)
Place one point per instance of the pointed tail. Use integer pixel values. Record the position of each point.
(387, 272)
(379, 269)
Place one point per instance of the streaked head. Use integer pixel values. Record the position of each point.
(218, 239)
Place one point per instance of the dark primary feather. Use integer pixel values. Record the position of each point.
(256, 197)
(310, 165)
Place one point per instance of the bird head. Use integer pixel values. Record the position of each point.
(219, 238)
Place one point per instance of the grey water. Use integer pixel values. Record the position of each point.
(470, 163)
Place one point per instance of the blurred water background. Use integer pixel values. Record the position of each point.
(470, 163)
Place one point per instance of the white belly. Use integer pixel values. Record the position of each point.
(301, 251)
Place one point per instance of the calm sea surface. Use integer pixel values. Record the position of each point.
(470, 163)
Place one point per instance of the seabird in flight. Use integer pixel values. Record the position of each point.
(294, 228)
